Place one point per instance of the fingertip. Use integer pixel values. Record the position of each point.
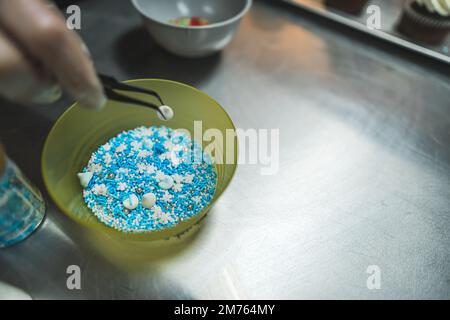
(93, 101)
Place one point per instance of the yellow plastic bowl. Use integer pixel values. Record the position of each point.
(79, 132)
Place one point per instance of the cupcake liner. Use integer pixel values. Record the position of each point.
(429, 20)
(423, 26)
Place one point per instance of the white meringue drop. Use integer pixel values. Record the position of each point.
(131, 202)
(148, 200)
(166, 111)
(85, 178)
(165, 182)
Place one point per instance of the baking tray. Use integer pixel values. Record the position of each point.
(391, 11)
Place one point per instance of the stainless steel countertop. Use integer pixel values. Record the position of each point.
(364, 169)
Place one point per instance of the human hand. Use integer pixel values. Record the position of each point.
(38, 53)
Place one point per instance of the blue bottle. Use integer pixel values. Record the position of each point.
(22, 208)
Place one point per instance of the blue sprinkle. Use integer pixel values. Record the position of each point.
(137, 160)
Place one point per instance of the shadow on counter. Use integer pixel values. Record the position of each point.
(138, 54)
(23, 130)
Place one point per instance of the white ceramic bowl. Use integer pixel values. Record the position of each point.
(224, 17)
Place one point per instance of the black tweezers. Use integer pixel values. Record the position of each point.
(110, 84)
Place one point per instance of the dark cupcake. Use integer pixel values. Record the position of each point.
(349, 6)
(421, 23)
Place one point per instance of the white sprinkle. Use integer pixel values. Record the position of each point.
(165, 218)
(175, 161)
(151, 169)
(166, 182)
(178, 178)
(165, 155)
(86, 193)
(136, 145)
(141, 167)
(85, 178)
(100, 190)
(159, 175)
(157, 211)
(122, 186)
(96, 168)
(188, 178)
(122, 147)
(163, 132)
(144, 154)
(168, 145)
(167, 196)
(177, 187)
(146, 131)
(197, 199)
(167, 112)
(107, 158)
(131, 202)
(148, 200)
(148, 144)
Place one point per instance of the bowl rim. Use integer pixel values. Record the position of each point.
(135, 235)
(237, 17)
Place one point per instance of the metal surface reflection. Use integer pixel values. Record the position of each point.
(359, 15)
(364, 170)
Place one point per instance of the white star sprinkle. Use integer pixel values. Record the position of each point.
(144, 154)
(177, 178)
(122, 147)
(157, 211)
(167, 197)
(168, 145)
(142, 167)
(188, 178)
(165, 218)
(163, 132)
(146, 131)
(92, 160)
(166, 155)
(175, 161)
(100, 190)
(99, 210)
(121, 186)
(107, 147)
(148, 144)
(107, 158)
(86, 193)
(151, 169)
(136, 145)
(197, 199)
(177, 187)
(96, 168)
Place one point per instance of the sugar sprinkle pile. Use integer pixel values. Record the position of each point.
(148, 178)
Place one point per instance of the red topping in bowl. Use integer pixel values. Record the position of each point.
(190, 21)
